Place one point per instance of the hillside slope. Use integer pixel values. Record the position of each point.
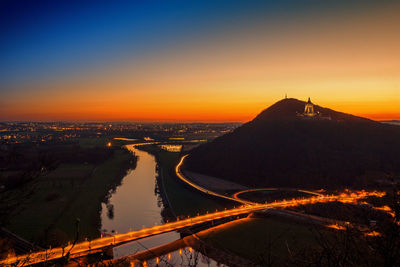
(279, 148)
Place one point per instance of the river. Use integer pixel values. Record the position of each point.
(134, 205)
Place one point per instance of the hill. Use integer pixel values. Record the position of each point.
(280, 147)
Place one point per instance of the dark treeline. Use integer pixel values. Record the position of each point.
(279, 148)
(60, 174)
(20, 163)
(353, 247)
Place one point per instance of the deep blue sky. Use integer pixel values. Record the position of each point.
(192, 60)
(40, 39)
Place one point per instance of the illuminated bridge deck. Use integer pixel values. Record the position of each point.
(100, 243)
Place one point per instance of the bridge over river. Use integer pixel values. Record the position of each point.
(97, 245)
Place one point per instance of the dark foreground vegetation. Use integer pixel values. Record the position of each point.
(52, 191)
(270, 239)
(273, 240)
(23, 162)
(281, 149)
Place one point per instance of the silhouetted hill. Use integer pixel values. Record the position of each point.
(287, 109)
(280, 148)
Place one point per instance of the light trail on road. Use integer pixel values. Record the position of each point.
(236, 195)
(97, 245)
(100, 243)
(202, 189)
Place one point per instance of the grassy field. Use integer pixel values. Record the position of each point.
(261, 239)
(48, 213)
(93, 142)
(183, 199)
(52, 193)
(249, 238)
(86, 205)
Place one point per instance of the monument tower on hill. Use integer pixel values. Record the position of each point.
(309, 109)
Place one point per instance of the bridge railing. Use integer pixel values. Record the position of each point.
(87, 246)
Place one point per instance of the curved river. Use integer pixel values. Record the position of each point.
(134, 205)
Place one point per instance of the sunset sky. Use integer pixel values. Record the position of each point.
(196, 60)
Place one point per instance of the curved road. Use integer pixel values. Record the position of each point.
(96, 245)
(87, 247)
(202, 189)
(235, 197)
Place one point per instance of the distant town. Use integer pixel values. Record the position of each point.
(200, 133)
(37, 132)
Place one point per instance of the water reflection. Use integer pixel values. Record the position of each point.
(183, 257)
(137, 203)
(134, 205)
(177, 253)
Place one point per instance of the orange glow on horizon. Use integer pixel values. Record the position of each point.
(169, 112)
(349, 63)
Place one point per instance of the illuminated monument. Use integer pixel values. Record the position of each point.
(309, 109)
(310, 113)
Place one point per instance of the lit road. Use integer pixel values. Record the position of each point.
(97, 245)
(202, 189)
(235, 197)
(100, 243)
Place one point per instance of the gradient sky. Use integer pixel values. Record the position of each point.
(196, 60)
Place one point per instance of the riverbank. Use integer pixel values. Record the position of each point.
(182, 199)
(258, 240)
(262, 240)
(47, 208)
